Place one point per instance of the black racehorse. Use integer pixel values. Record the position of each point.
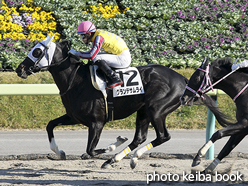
(219, 75)
(85, 105)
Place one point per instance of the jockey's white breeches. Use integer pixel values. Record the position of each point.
(117, 61)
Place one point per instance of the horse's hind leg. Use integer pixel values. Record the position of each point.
(162, 136)
(142, 123)
(158, 116)
(63, 120)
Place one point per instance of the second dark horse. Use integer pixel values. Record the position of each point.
(85, 105)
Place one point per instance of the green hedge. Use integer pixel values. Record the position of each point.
(174, 33)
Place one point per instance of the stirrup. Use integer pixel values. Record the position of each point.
(110, 87)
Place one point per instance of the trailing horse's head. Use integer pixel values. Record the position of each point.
(40, 57)
(196, 84)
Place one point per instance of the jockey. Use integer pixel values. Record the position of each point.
(243, 64)
(115, 51)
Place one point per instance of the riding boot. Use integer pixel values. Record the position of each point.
(114, 79)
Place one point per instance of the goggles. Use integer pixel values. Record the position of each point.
(83, 36)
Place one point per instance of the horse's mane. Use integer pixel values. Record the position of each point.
(65, 46)
(64, 43)
(223, 62)
(227, 64)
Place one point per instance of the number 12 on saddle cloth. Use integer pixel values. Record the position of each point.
(132, 84)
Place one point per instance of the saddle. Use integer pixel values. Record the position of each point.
(99, 81)
(132, 85)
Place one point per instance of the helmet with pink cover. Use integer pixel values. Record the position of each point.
(85, 27)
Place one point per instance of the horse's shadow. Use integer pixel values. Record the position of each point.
(27, 176)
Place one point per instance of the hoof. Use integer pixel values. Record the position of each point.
(133, 162)
(85, 156)
(107, 164)
(206, 171)
(121, 139)
(196, 161)
(196, 169)
(62, 155)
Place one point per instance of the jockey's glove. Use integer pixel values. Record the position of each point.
(243, 64)
(73, 52)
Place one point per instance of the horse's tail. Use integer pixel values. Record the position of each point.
(220, 117)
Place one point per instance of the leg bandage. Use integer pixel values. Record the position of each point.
(142, 150)
(212, 166)
(122, 154)
(54, 147)
(205, 148)
(113, 146)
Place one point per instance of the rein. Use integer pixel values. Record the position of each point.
(207, 85)
(71, 81)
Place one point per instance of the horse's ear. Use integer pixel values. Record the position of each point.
(47, 42)
(205, 62)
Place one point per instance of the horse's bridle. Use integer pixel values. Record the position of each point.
(206, 84)
(35, 66)
(44, 52)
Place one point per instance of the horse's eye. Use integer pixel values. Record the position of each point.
(37, 52)
(197, 78)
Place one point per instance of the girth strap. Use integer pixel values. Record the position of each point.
(110, 107)
(109, 104)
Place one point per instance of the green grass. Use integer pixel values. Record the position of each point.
(34, 112)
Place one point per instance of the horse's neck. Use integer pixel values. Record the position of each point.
(63, 78)
(60, 80)
(231, 85)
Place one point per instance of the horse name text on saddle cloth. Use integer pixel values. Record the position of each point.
(132, 83)
(130, 76)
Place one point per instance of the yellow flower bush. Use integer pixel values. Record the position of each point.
(30, 7)
(106, 11)
(43, 22)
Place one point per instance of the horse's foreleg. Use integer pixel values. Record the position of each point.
(230, 145)
(119, 156)
(228, 131)
(201, 152)
(63, 120)
(140, 136)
